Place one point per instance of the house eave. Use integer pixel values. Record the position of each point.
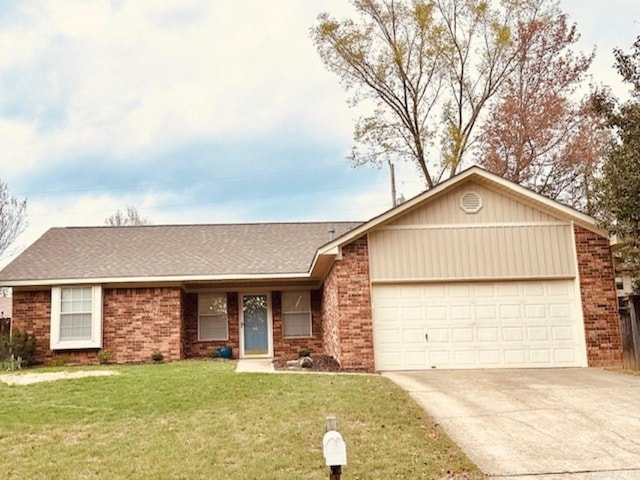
(177, 279)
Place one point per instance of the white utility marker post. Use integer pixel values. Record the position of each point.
(334, 448)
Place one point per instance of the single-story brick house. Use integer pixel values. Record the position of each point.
(477, 272)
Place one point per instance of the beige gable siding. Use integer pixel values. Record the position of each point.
(496, 208)
(506, 239)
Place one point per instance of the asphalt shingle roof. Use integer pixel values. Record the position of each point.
(174, 250)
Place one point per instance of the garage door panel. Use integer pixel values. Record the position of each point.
(390, 336)
(565, 356)
(506, 290)
(484, 290)
(462, 335)
(465, 357)
(415, 358)
(488, 334)
(459, 290)
(535, 311)
(460, 312)
(438, 312)
(515, 357)
(510, 311)
(540, 356)
(560, 310)
(538, 333)
(439, 357)
(486, 312)
(413, 335)
(560, 333)
(478, 325)
(412, 313)
(512, 334)
(558, 289)
(489, 357)
(437, 335)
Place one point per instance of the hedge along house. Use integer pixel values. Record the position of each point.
(475, 273)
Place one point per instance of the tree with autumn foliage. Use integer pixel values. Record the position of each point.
(430, 68)
(618, 188)
(537, 134)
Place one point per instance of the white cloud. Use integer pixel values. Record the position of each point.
(145, 76)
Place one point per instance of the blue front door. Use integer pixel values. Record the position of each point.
(256, 324)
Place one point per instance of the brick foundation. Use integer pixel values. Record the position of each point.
(599, 299)
(346, 309)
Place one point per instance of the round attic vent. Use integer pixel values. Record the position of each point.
(471, 202)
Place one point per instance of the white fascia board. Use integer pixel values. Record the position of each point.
(157, 279)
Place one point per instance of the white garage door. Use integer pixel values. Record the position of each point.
(478, 325)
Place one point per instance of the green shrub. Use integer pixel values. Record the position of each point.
(304, 352)
(21, 345)
(12, 363)
(214, 353)
(59, 361)
(157, 357)
(105, 356)
(24, 346)
(5, 347)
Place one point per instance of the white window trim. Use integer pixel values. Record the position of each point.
(226, 338)
(96, 320)
(307, 292)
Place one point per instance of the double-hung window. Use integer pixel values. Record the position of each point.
(76, 317)
(213, 322)
(296, 314)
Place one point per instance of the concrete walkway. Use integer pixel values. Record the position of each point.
(255, 365)
(569, 424)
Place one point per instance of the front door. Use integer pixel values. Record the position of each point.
(255, 323)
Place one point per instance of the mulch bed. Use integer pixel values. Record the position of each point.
(321, 363)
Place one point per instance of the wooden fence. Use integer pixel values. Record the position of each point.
(630, 331)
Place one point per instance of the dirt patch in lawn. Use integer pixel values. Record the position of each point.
(31, 378)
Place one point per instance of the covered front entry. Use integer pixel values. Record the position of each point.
(255, 325)
(510, 324)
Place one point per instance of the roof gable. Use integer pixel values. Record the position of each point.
(495, 207)
(524, 198)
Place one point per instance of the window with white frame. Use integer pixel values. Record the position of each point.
(76, 317)
(296, 314)
(213, 322)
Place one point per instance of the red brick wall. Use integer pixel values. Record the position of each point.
(331, 314)
(346, 308)
(290, 347)
(32, 314)
(140, 321)
(599, 299)
(196, 348)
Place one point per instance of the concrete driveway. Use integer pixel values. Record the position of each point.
(553, 423)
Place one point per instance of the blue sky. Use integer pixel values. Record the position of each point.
(197, 111)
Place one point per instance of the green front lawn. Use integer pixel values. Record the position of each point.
(200, 420)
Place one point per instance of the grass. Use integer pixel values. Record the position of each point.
(197, 420)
